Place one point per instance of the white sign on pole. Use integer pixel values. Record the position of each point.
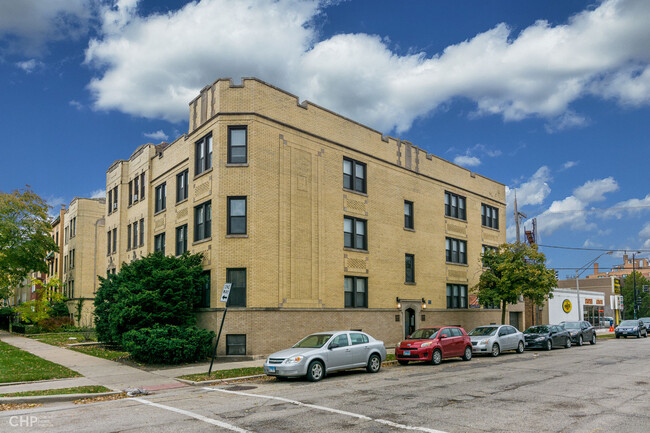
(225, 292)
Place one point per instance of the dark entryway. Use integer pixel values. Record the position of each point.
(514, 320)
(409, 322)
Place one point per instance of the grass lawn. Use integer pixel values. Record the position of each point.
(101, 352)
(62, 340)
(224, 374)
(17, 366)
(90, 389)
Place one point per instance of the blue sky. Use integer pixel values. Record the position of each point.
(551, 98)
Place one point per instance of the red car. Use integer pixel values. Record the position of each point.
(434, 344)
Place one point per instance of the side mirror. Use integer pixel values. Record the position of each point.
(333, 345)
(552, 333)
(443, 336)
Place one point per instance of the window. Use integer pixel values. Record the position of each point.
(128, 237)
(202, 221)
(487, 248)
(491, 306)
(110, 201)
(356, 292)
(408, 214)
(161, 197)
(73, 227)
(159, 243)
(181, 186)
(354, 175)
(72, 289)
(136, 188)
(142, 232)
(456, 296)
(237, 277)
(203, 154)
(181, 239)
(341, 340)
(236, 215)
(409, 272)
(204, 292)
(130, 193)
(357, 338)
(456, 250)
(135, 234)
(115, 198)
(455, 332)
(65, 236)
(72, 259)
(142, 186)
(114, 240)
(489, 216)
(455, 206)
(65, 263)
(237, 144)
(236, 344)
(354, 233)
(109, 243)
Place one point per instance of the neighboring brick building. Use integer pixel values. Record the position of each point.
(84, 243)
(318, 221)
(621, 271)
(54, 259)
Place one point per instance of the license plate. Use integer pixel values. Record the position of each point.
(407, 352)
(271, 369)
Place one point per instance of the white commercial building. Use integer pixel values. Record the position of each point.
(564, 306)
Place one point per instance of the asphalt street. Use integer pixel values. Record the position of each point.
(601, 388)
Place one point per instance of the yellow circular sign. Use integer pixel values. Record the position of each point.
(566, 305)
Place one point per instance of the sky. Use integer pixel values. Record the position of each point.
(549, 97)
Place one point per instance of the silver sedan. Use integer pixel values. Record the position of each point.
(318, 354)
(494, 339)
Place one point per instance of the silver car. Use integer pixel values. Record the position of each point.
(494, 339)
(318, 354)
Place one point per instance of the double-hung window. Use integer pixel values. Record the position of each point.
(159, 243)
(203, 154)
(161, 197)
(110, 232)
(456, 250)
(409, 268)
(456, 296)
(489, 216)
(135, 234)
(141, 186)
(136, 188)
(130, 193)
(408, 215)
(354, 233)
(181, 239)
(202, 221)
(128, 237)
(181, 186)
(236, 215)
(114, 240)
(354, 175)
(237, 144)
(142, 232)
(237, 277)
(204, 292)
(455, 206)
(356, 292)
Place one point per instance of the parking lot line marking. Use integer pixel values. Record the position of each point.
(192, 415)
(328, 409)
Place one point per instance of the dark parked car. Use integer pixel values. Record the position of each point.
(434, 344)
(580, 332)
(547, 337)
(633, 328)
(646, 322)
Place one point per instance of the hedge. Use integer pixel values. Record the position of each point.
(168, 344)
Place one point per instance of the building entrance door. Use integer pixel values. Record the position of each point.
(409, 322)
(514, 320)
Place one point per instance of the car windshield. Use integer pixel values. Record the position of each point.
(424, 334)
(571, 325)
(536, 330)
(629, 323)
(313, 341)
(483, 331)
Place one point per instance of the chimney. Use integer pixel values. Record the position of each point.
(625, 259)
(595, 268)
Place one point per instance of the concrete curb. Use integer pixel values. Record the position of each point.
(38, 381)
(53, 398)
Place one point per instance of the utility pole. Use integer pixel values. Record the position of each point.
(517, 215)
(634, 284)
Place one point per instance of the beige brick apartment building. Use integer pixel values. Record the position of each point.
(319, 222)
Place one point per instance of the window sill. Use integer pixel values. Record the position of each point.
(490, 228)
(202, 241)
(408, 283)
(406, 229)
(456, 219)
(242, 236)
(457, 264)
(236, 164)
(159, 212)
(356, 192)
(356, 250)
(203, 173)
(182, 201)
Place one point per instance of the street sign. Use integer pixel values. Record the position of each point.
(225, 292)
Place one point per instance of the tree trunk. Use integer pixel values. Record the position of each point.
(503, 312)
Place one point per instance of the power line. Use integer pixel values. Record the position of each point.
(596, 249)
(597, 209)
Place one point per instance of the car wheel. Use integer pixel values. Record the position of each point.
(468, 353)
(436, 357)
(520, 347)
(495, 350)
(402, 362)
(315, 371)
(593, 338)
(638, 334)
(568, 342)
(374, 364)
(549, 344)
(580, 341)
(645, 335)
(625, 336)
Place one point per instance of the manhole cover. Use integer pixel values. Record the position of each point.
(240, 387)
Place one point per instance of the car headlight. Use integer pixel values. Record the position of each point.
(573, 332)
(486, 341)
(540, 339)
(294, 360)
(426, 344)
(635, 329)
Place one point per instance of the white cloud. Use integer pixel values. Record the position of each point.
(566, 120)
(98, 193)
(26, 26)
(158, 135)
(76, 104)
(467, 161)
(532, 192)
(29, 65)
(644, 234)
(153, 65)
(595, 190)
(569, 164)
(633, 206)
(55, 205)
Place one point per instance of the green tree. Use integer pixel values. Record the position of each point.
(41, 308)
(155, 290)
(627, 290)
(25, 237)
(511, 271)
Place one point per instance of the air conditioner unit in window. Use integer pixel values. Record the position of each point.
(135, 197)
(114, 205)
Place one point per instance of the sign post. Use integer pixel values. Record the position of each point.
(225, 293)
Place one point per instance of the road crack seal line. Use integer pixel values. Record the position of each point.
(328, 409)
(192, 415)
